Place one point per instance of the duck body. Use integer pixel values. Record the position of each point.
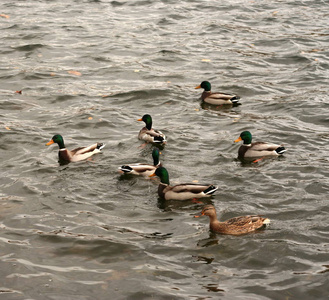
(216, 98)
(235, 226)
(78, 154)
(184, 191)
(150, 135)
(142, 169)
(257, 149)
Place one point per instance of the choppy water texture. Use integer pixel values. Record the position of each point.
(88, 70)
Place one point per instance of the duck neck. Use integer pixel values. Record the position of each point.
(61, 145)
(155, 155)
(214, 224)
(247, 141)
(165, 179)
(213, 218)
(148, 124)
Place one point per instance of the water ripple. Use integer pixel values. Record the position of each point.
(88, 70)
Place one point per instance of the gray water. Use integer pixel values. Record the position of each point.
(88, 70)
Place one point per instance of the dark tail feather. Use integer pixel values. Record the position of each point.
(126, 169)
(280, 150)
(100, 146)
(158, 139)
(210, 190)
(235, 99)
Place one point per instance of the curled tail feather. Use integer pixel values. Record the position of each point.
(280, 150)
(158, 139)
(235, 99)
(100, 146)
(210, 190)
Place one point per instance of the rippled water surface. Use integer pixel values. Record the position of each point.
(88, 70)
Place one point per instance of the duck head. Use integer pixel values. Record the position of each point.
(148, 121)
(204, 85)
(58, 139)
(162, 173)
(245, 136)
(208, 210)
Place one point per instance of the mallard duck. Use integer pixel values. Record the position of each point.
(234, 226)
(149, 134)
(77, 154)
(142, 169)
(182, 191)
(216, 98)
(257, 149)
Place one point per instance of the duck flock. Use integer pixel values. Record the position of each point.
(186, 191)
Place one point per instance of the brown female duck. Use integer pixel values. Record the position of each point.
(234, 226)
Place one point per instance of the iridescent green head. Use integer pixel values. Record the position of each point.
(246, 137)
(162, 173)
(58, 139)
(148, 121)
(205, 85)
(156, 156)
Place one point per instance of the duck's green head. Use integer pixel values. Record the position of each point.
(58, 139)
(148, 121)
(156, 156)
(162, 173)
(245, 136)
(204, 85)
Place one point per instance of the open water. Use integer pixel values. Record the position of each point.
(88, 70)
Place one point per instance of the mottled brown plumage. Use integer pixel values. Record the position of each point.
(234, 226)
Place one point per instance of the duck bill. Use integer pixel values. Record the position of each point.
(198, 87)
(140, 119)
(199, 215)
(238, 140)
(50, 142)
(152, 175)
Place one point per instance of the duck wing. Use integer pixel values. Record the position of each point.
(219, 98)
(194, 188)
(223, 96)
(262, 146)
(243, 220)
(243, 224)
(152, 135)
(138, 169)
(83, 150)
(82, 153)
(261, 149)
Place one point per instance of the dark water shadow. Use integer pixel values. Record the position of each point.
(170, 205)
(214, 238)
(257, 162)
